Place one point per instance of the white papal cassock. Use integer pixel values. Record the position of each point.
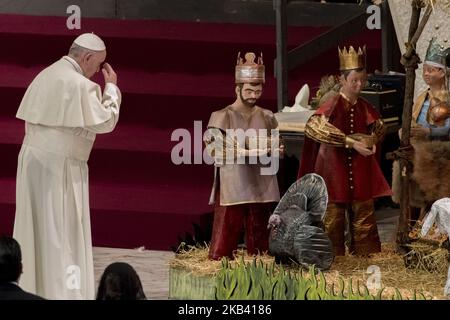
(63, 111)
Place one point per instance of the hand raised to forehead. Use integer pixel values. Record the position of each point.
(109, 74)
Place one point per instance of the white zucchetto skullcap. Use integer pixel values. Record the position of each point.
(90, 41)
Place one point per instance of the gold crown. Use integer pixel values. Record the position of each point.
(349, 60)
(249, 71)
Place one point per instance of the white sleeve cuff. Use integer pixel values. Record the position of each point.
(112, 90)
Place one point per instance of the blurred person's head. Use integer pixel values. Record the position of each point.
(10, 260)
(120, 282)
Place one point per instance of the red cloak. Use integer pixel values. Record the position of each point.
(348, 175)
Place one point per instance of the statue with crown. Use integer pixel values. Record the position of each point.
(431, 109)
(430, 136)
(243, 196)
(341, 142)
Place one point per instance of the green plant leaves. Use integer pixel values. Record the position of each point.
(258, 281)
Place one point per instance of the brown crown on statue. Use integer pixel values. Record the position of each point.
(249, 71)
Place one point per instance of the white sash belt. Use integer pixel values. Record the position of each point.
(59, 142)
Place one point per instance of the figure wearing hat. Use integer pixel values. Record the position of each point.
(63, 111)
(428, 120)
(430, 135)
(243, 196)
(340, 146)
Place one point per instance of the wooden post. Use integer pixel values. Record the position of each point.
(410, 60)
(388, 39)
(281, 67)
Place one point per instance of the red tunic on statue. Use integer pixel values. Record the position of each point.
(348, 175)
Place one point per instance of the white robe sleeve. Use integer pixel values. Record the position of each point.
(111, 103)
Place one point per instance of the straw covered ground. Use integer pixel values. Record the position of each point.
(394, 274)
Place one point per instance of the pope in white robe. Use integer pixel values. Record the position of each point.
(63, 111)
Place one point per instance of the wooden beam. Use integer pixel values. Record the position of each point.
(281, 73)
(326, 41)
(300, 13)
(390, 50)
(90, 9)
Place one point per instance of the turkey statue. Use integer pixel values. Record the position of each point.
(297, 233)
